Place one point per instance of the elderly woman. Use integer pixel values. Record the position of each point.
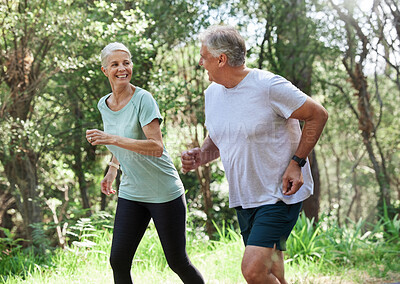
(150, 185)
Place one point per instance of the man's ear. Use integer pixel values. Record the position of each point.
(222, 60)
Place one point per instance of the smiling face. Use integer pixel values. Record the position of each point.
(209, 63)
(118, 69)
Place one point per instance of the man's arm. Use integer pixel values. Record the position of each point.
(314, 116)
(196, 157)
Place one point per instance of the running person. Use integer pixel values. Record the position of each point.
(252, 117)
(150, 185)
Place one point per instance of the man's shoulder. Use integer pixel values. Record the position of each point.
(269, 79)
(213, 87)
(263, 74)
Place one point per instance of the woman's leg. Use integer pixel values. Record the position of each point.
(131, 220)
(170, 221)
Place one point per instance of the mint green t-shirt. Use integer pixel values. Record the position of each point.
(144, 178)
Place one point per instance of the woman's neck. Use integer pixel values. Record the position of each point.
(120, 94)
(120, 97)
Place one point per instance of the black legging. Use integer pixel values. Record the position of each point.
(131, 221)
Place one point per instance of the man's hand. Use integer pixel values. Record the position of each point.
(292, 179)
(191, 159)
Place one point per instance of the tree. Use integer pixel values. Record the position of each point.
(30, 32)
(387, 30)
(354, 61)
(46, 66)
(51, 82)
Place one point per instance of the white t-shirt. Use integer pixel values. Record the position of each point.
(250, 125)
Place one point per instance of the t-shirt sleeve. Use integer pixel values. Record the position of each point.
(207, 102)
(101, 103)
(148, 110)
(284, 97)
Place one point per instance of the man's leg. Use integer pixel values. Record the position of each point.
(263, 265)
(265, 230)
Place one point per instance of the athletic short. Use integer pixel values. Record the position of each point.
(268, 225)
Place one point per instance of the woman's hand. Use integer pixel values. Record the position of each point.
(98, 137)
(106, 183)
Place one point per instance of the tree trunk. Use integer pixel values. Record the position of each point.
(368, 132)
(311, 204)
(78, 166)
(204, 177)
(83, 188)
(381, 177)
(21, 173)
(7, 201)
(354, 62)
(17, 156)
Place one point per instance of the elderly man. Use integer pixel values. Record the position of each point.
(253, 121)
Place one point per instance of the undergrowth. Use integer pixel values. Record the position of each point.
(321, 249)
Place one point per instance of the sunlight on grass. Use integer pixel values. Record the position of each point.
(317, 253)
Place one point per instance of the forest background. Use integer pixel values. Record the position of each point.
(345, 54)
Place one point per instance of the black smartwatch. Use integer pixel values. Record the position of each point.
(300, 161)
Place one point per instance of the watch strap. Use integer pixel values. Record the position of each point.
(114, 165)
(299, 160)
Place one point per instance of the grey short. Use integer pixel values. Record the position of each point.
(268, 225)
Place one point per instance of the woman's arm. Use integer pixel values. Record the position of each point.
(106, 183)
(152, 146)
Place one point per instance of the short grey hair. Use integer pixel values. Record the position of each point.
(227, 40)
(111, 47)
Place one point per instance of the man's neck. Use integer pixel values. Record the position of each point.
(233, 76)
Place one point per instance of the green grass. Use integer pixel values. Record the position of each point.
(317, 253)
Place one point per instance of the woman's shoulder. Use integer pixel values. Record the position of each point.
(140, 92)
(141, 95)
(102, 101)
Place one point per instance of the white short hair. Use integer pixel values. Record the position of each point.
(111, 47)
(227, 40)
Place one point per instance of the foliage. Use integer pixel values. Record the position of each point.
(329, 245)
(9, 242)
(64, 39)
(314, 250)
(68, 170)
(360, 28)
(17, 261)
